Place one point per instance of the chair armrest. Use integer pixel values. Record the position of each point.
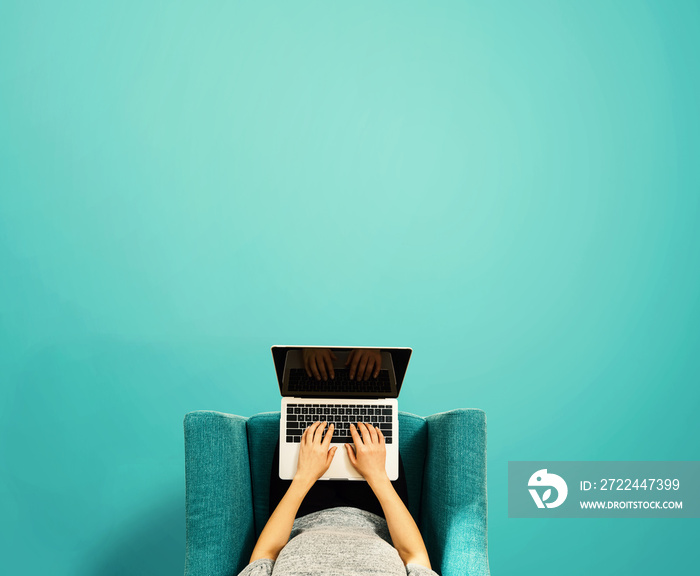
(453, 519)
(219, 502)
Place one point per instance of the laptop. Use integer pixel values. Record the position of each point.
(342, 400)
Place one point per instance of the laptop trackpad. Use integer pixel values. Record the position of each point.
(341, 468)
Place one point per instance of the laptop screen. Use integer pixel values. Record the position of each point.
(340, 371)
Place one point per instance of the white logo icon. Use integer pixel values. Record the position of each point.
(543, 478)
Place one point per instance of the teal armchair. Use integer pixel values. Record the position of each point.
(227, 472)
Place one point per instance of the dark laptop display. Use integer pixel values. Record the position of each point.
(387, 384)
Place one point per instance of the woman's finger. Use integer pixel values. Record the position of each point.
(373, 433)
(370, 366)
(329, 457)
(355, 435)
(361, 368)
(318, 433)
(380, 434)
(327, 439)
(351, 454)
(321, 362)
(314, 368)
(353, 364)
(306, 433)
(366, 438)
(310, 432)
(329, 362)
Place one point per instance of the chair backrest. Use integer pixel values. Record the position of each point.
(263, 431)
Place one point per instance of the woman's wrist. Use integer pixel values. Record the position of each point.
(303, 482)
(378, 481)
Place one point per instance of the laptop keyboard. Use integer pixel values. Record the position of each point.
(301, 416)
(299, 381)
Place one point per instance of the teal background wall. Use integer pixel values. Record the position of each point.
(511, 188)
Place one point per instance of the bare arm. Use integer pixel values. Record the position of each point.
(314, 460)
(404, 533)
(278, 528)
(369, 458)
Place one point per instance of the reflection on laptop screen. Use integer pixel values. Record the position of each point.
(343, 371)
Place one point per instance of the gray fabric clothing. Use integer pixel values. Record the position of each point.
(339, 541)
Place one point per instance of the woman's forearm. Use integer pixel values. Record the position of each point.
(405, 535)
(278, 528)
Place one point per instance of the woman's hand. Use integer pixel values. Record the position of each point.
(314, 456)
(364, 361)
(319, 361)
(369, 455)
